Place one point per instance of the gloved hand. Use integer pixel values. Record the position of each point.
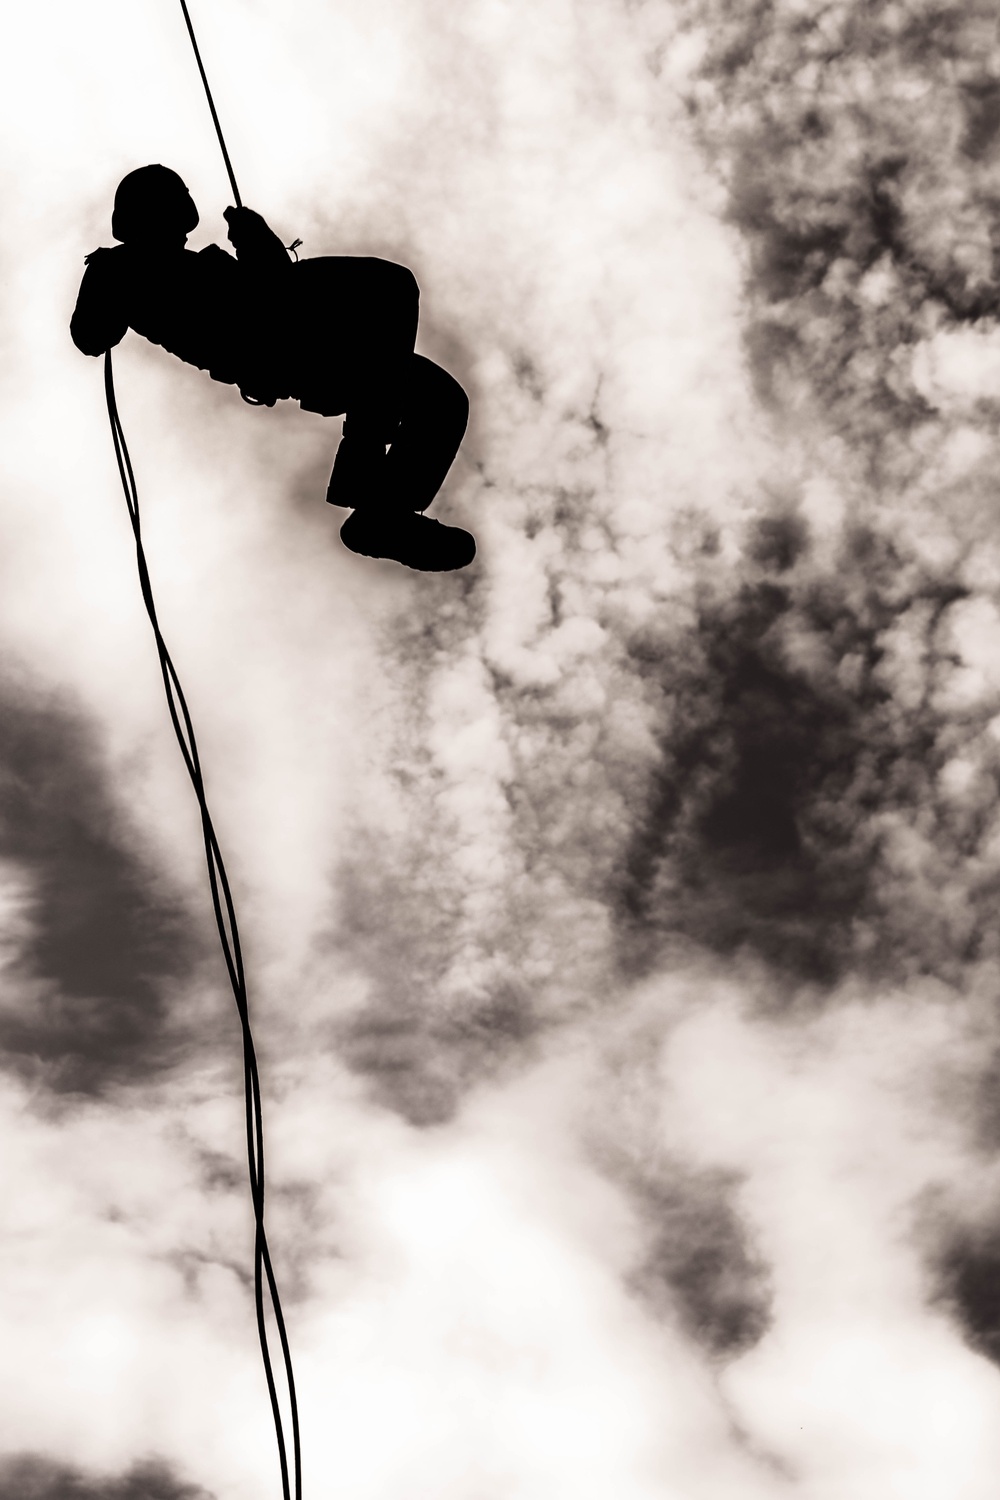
(256, 244)
(247, 228)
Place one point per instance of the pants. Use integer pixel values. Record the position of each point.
(356, 324)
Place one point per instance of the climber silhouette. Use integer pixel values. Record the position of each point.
(335, 333)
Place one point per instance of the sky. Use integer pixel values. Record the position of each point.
(621, 913)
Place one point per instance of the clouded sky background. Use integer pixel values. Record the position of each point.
(621, 913)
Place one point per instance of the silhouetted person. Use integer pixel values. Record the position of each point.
(335, 333)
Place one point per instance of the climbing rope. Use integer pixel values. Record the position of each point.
(211, 104)
(225, 919)
(229, 937)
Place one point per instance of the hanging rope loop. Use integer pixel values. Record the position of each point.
(229, 938)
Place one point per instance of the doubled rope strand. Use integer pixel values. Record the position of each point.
(229, 938)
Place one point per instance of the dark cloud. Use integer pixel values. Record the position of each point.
(968, 1284)
(957, 1233)
(814, 719)
(28, 1476)
(807, 807)
(420, 1064)
(799, 811)
(700, 1265)
(982, 117)
(853, 139)
(418, 1055)
(102, 940)
(792, 768)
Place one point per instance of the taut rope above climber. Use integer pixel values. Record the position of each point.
(335, 333)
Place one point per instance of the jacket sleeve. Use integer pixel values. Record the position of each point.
(100, 320)
(257, 246)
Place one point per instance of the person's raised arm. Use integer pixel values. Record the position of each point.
(99, 320)
(256, 244)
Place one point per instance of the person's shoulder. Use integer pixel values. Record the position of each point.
(213, 268)
(102, 255)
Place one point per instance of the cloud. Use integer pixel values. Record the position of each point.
(30, 1477)
(966, 1283)
(620, 913)
(699, 1263)
(97, 942)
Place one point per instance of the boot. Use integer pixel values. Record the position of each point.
(413, 540)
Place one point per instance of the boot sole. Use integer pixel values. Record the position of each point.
(377, 551)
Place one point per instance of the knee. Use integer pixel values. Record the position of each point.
(452, 401)
(441, 390)
(457, 404)
(408, 287)
(438, 396)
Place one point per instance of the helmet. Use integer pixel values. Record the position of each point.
(152, 203)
